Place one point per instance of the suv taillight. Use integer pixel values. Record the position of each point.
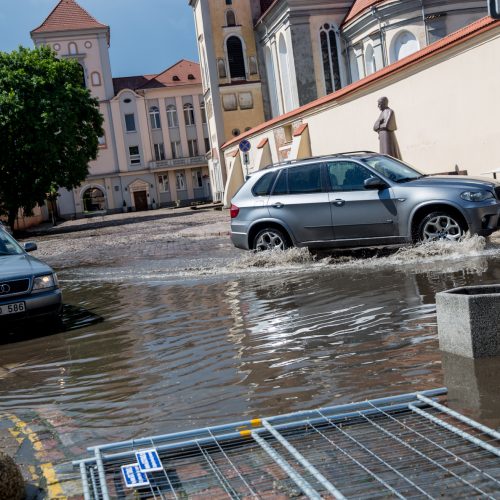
(234, 211)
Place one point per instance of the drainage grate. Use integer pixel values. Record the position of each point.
(406, 446)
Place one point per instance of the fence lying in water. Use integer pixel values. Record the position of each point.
(402, 446)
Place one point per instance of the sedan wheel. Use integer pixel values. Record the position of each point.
(440, 226)
(270, 239)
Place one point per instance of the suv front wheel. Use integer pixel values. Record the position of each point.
(441, 226)
(270, 238)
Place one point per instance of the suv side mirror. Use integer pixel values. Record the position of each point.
(30, 247)
(375, 183)
(494, 8)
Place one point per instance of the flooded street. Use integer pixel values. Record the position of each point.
(193, 332)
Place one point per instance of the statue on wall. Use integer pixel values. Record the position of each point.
(385, 127)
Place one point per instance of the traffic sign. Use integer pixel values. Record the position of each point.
(148, 460)
(245, 146)
(133, 476)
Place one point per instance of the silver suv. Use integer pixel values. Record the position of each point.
(358, 199)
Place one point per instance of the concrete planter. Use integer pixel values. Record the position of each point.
(469, 321)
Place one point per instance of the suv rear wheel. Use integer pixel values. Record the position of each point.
(441, 226)
(270, 238)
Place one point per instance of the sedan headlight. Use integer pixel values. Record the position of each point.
(480, 195)
(44, 282)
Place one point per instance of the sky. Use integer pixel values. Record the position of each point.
(147, 36)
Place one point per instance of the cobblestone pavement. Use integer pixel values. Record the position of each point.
(154, 234)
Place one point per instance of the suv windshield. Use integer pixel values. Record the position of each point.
(392, 169)
(8, 245)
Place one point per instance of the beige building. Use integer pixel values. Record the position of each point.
(155, 129)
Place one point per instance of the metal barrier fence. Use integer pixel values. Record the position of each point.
(402, 446)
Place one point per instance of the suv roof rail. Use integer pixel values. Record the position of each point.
(330, 155)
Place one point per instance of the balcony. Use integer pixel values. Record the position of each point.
(178, 162)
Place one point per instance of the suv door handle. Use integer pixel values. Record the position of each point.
(338, 202)
(277, 205)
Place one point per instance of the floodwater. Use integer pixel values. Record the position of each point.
(162, 345)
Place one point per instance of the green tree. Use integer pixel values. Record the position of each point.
(49, 128)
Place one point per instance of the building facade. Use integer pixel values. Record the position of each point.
(155, 138)
(309, 49)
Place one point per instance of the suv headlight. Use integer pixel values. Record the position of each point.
(480, 195)
(44, 282)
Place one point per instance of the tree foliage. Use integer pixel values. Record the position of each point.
(49, 127)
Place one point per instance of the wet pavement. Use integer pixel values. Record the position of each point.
(168, 327)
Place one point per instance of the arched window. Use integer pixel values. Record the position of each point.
(203, 112)
(93, 200)
(286, 88)
(154, 117)
(72, 48)
(221, 66)
(172, 118)
(84, 80)
(235, 57)
(370, 65)
(404, 44)
(330, 57)
(230, 18)
(189, 114)
(96, 79)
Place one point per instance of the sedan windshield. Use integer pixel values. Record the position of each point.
(392, 169)
(8, 245)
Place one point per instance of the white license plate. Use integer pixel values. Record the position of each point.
(17, 307)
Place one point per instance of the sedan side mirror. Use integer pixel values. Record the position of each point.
(30, 247)
(375, 183)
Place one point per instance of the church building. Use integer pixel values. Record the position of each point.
(152, 153)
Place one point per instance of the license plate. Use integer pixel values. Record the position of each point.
(15, 308)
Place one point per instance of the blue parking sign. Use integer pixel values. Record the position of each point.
(148, 460)
(133, 476)
(245, 146)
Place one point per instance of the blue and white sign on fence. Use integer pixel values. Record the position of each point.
(133, 476)
(148, 460)
(245, 146)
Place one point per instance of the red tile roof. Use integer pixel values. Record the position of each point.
(262, 143)
(358, 7)
(468, 32)
(300, 130)
(68, 16)
(181, 70)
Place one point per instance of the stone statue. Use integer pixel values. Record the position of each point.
(385, 127)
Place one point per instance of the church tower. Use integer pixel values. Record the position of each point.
(73, 33)
(230, 70)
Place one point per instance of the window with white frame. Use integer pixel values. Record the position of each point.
(203, 112)
(197, 179)
(330, 57)
(159, 151)
(102, 141)
(96, 79)
(370, 64)
(180, 181)
(130, 122)
(163, 183)
(176, 149)
(193, 147)
(154, 117)
(172, 118)
(189, 114)
(134, 155)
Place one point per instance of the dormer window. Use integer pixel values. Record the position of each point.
(190, 77)
(175, 78)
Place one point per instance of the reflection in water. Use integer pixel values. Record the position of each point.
(174, 354)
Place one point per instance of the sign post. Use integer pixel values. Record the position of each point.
(245, 147)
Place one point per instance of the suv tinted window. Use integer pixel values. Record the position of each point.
(304, 179)
(347, 175)
(264, 184)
